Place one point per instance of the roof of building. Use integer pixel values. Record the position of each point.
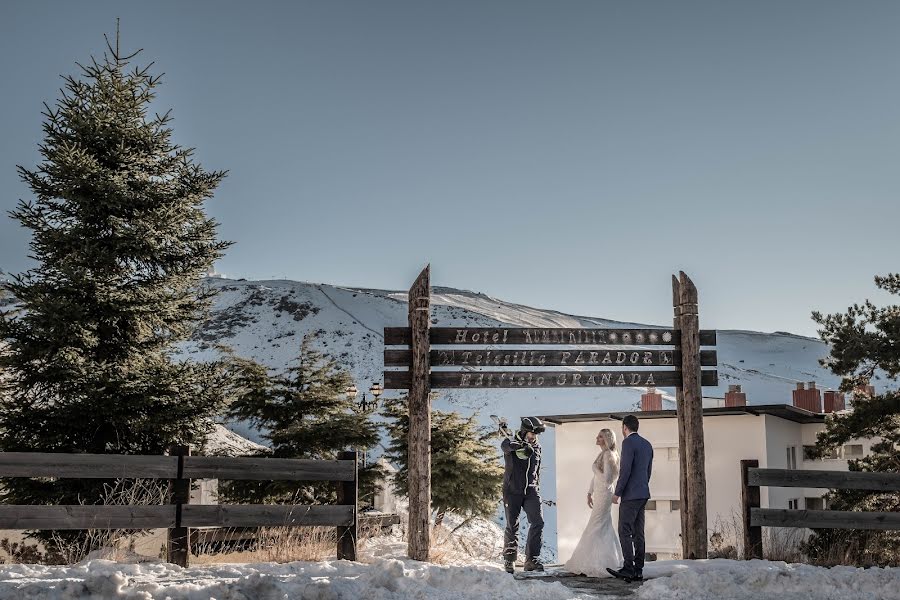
(784, 411)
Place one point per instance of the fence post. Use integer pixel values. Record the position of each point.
(750, 500)
(347, 495)
(179, 546)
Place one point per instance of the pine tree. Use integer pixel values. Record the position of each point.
(466, 476)
(121, 243)
(303, 413)
(864, 341)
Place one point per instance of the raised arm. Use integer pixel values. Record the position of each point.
(650, 465)
(624, 467)
(511, 446)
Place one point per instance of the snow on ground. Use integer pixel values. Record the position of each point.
(386, 579)
(398, 579)
(765, 580)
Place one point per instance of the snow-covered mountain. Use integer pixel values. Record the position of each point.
(266, 320)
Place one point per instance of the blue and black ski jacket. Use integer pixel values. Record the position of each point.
(522, 465)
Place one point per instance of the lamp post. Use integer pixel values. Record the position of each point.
(366, 406)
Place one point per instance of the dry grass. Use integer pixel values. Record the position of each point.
(110, 544)
(277, 544)
(452, 542)
(269, 544)
(779, 543)
(273, 544)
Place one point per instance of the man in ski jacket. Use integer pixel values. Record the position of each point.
(521, 491)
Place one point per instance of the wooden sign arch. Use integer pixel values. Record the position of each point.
(526, 357)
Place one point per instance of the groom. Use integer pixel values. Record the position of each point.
(632, 493)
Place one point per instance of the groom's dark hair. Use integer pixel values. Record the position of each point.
(631, 422)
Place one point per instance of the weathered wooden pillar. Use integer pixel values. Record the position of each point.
(347, 494)
(749, 501)
(682, 444)
(695, 455)
(419, 535)
(179, 542)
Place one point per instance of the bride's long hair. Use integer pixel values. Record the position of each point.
(609, 436)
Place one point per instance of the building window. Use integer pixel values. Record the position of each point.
(853, 451)
(793, 504)
(792, 457)
(830, 454)
(815, 503)
(676, 505)
(672, 453)
(651, 505)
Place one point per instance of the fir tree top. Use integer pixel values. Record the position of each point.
(117, 221)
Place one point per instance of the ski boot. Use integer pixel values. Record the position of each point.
(533, 564)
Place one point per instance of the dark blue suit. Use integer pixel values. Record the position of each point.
(633, 487)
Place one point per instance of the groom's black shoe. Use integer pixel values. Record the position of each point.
(627, 574)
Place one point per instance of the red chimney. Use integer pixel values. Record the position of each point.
(652, 400)
(735, 397)
(865, 390)
(834, 401)
(808, 399)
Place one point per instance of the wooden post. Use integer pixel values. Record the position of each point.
(750, 500)
(179, 543)
(682, 445)
(695, 460)
(419, 535)
(348, 494)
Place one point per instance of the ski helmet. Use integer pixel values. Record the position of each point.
(532, 424)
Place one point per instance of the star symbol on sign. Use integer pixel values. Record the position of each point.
(653, 338)
(639, 338)
(613, 337)
(667, 337)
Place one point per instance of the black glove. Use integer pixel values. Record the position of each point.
(525, 451)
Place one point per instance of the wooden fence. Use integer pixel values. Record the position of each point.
(755, 518)
(180, 515)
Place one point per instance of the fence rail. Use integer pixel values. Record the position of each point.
(179, 516)
(833, 480)
(755, 517)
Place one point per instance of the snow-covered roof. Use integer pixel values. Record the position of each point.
(224, 442)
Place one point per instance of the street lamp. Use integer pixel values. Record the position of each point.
(351, 392)
(365, 405)
(376, 391)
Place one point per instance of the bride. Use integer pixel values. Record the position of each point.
(599, 545)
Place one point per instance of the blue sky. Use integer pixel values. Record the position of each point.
(569, 155)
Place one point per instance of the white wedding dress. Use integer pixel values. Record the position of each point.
(599, 546)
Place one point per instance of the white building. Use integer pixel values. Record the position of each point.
(773, 434)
